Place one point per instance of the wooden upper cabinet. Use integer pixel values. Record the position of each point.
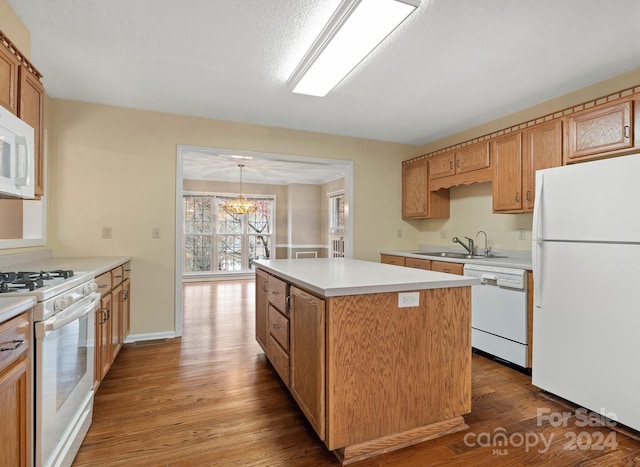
(418, 202)
(473, 157)
(414, 189)
(470, 164)
(507, 172)
(599, 131)
(542, 149)
(31, 110)
(8, 79)
(442, 165)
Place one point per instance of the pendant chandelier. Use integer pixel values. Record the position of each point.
(240, 205)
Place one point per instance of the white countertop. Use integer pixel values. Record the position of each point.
(13, 306)
(332, 277)
(513, 260)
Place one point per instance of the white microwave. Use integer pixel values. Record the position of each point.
(16, 157)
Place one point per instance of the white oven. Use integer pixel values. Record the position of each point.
(64, 375)
(64, 350)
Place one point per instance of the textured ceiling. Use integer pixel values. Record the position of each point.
(450, 66)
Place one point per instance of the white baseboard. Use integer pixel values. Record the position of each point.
(149, 336)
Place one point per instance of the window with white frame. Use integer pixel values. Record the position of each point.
(218, 242)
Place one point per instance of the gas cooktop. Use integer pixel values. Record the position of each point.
(28, 281)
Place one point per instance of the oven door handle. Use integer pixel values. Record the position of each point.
(60, 320)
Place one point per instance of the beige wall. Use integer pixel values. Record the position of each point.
(116, 167)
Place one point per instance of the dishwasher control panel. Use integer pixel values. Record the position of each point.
(502, 277)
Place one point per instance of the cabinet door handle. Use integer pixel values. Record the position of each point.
(458, 163)
(125, 295)
(16, 343)
(275, 326)
(517, 197)
(451, 164)
(528, 196)
(626, 131)
(275, 292)
(287, 305)
(265, 286)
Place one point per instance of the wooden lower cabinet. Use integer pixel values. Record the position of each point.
(418, 263)
(113, 319)
(307, 357)
(450, 268)
(393, 259)
(15, 392)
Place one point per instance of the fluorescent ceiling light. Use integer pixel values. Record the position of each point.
(354, 30)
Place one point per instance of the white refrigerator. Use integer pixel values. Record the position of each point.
(586, 267)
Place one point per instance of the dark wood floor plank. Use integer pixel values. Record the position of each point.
(210, 398)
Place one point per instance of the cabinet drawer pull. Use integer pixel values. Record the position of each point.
(275, 292)
(103, 286)
(17, 343)
(118, 277)
(446, 269)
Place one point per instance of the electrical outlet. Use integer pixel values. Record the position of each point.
(155, 232)
(408, 299)
(521, 234)
(399, 233)
(106, 232)
(443, 234)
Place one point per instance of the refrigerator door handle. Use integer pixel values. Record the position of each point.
(537, 241)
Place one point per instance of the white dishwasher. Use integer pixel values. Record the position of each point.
(499, 312)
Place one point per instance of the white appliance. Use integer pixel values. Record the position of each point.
(499, 312)
(586, 251)
(16, 157)
(64, 330)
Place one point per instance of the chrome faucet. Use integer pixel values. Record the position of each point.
(469, 247)
(486, 250)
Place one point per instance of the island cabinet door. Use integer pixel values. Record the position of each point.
(307, 356)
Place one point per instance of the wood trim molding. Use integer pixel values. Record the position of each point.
(625, 93)
(21, 58)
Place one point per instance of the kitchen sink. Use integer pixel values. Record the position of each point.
(448, 254)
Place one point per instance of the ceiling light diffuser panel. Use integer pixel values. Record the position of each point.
(355, 29)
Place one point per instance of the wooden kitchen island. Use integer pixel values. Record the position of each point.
(369, 375)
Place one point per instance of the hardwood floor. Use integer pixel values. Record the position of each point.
(211, 399)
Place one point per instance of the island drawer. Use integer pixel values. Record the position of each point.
(278, 294)
(279, 327)
(279, 358)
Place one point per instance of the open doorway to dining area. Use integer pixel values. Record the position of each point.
(235, 206)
